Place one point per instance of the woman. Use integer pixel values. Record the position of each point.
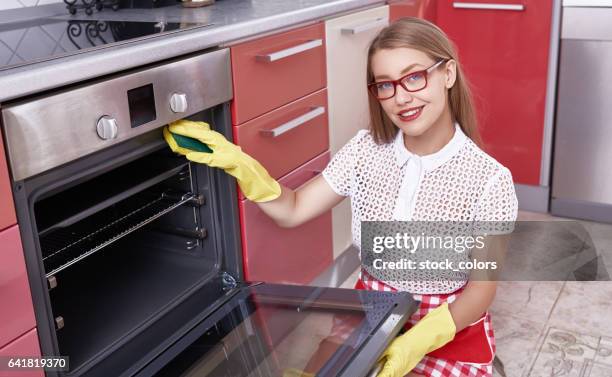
(419, 161)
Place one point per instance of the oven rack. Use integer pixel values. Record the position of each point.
(103, 203)
(67, 246)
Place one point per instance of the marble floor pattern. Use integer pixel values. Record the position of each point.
(554, 329)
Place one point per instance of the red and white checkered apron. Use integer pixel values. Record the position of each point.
(476, 342)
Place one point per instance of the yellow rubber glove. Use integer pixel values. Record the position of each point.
(432, 332)
(253, 179)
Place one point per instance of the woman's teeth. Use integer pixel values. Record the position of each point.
(409, 113)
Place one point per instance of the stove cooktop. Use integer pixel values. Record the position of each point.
(46, 39)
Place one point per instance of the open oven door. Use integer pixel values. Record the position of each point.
(278, 330)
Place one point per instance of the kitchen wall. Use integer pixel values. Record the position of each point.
(12, 4)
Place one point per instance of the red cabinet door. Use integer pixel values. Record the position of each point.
(412, 8)
(7, 208)
(287, 137)
(17, 313)
(505, 55)
(24, 346)
(286, 255)
(272, 71)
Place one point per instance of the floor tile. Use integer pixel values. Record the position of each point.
(565, 353)
(535, 216)
(593, 369)
(550, 251)
(516, 341)
(604, 351)
(601, 235)
(584, 307)
(608, 262)
(527, 299)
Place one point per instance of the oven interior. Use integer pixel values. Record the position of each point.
(124, 238)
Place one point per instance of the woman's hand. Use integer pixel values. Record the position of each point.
(253, 179)
(432, 332)
(288, 208)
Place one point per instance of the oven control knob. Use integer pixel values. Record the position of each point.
(178, 102)
(107, 127)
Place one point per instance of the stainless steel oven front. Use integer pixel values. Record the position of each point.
(133, 253)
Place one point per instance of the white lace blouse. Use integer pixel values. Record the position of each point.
(387, 182)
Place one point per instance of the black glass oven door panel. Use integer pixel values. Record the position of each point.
(271, 330)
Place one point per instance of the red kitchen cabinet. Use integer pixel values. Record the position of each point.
(286, 255)
(285, 138)
(279, 113)
(272, 71)
(17, 313)
(505, 54)
(24, 346)
(412, 8)
(7, 208)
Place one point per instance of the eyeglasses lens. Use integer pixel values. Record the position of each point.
(414, 82)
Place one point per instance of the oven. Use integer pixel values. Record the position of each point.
(133, 253)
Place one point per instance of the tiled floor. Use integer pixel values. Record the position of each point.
(554, 329)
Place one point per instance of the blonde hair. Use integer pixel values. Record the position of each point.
(424, 36)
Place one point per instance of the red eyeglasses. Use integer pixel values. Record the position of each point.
(412, 82)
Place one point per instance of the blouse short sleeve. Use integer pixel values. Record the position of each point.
(339, 173)
(498, 208)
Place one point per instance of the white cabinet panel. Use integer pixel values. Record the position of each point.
(348, 38)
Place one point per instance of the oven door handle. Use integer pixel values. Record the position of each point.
(277, 131)
(278, 55)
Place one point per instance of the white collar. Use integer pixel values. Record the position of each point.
(430, 161)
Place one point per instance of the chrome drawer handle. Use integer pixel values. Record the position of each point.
(365, 27)
(278, 55)
(489, 6)
(315, 112)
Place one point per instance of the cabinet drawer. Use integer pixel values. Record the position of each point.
(286, 255)
(272, 71)
(287, 137)
(25, 345)
(17, 314)
(7, 209)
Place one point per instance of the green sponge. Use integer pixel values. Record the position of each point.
(191, 143)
